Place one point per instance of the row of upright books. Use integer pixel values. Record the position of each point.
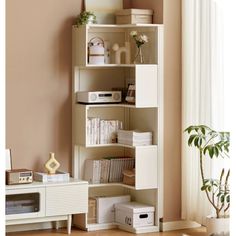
(101, 131)
(107, 170)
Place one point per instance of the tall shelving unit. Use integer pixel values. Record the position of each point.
(145, 114)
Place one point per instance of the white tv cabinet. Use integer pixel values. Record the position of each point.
(146, 114)
(51, 202)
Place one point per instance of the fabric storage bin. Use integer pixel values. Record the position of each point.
(92, 208)
(129, 177)
(134, 214)
(134, 16)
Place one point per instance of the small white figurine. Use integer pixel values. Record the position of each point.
(118, 50)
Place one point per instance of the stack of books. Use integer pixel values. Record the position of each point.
(107, 170)
(60, 176)
(100, 131)
(134, 138)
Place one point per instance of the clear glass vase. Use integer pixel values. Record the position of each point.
(139, 59)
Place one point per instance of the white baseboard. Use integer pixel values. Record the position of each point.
(181, 224)
(33, 226)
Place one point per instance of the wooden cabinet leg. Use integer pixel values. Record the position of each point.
(56, 225)
(69, 219)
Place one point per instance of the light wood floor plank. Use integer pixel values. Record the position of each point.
(116, 232)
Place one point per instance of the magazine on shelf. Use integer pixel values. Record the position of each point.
(44, 177)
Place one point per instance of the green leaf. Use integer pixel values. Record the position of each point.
(222, 198)
(191, 138)
(216, 151)
(204, 187)
(228, 199)
(196, 141)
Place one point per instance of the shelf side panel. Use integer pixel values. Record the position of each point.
(146, 168)
(80, 125)
(79, 46)
(146, 86)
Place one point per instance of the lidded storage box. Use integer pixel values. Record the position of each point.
(134, 16)
(134, 214)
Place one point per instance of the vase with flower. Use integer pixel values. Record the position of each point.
(139, 39)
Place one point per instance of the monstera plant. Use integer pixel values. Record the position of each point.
(213, 144)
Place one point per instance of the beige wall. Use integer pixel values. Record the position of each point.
(169, 13)
(38, 84)
(38, 96)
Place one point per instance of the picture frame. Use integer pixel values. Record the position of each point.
(130, 97)
(8, 160)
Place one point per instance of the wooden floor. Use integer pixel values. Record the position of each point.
(75, 232)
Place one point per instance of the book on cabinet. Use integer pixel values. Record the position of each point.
(145, 114)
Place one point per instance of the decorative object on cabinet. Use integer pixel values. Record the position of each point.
(134, 16)
(130, 97)
(86, 17)
(104, 9)
(59, 176)
(139, 41)
(134, 214)
(96, 51)
(52, 164)
(118, 50)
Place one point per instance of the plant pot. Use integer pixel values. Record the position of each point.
(217, 226)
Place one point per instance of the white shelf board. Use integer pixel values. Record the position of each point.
(118, 145)
(93, 227)
(93, 66)
(121, 25)
(102, 226)
(110, 105)
(111, 185)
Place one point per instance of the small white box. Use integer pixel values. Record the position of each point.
(134, 16)
(134, 214)
(106, 207)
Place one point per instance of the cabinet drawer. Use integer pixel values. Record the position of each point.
(25, 203)
(64, 200)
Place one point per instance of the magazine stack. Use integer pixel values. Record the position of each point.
(134, 138)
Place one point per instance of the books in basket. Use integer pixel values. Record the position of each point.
(60, 176)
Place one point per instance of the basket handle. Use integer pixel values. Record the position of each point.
(91, 43)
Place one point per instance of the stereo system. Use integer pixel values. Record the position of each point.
(98, 97)
(19, 176)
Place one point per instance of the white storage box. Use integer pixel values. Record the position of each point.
(134, 214)
(106, 207)
(134, 16)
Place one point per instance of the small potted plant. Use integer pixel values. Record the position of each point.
(213, 144)
(86, 17)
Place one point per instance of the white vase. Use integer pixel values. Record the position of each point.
(217, 226)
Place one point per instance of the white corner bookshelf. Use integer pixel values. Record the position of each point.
(146, 114)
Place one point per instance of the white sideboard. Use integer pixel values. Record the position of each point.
(41, 202)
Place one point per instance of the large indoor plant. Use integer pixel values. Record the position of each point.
(213, 144)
